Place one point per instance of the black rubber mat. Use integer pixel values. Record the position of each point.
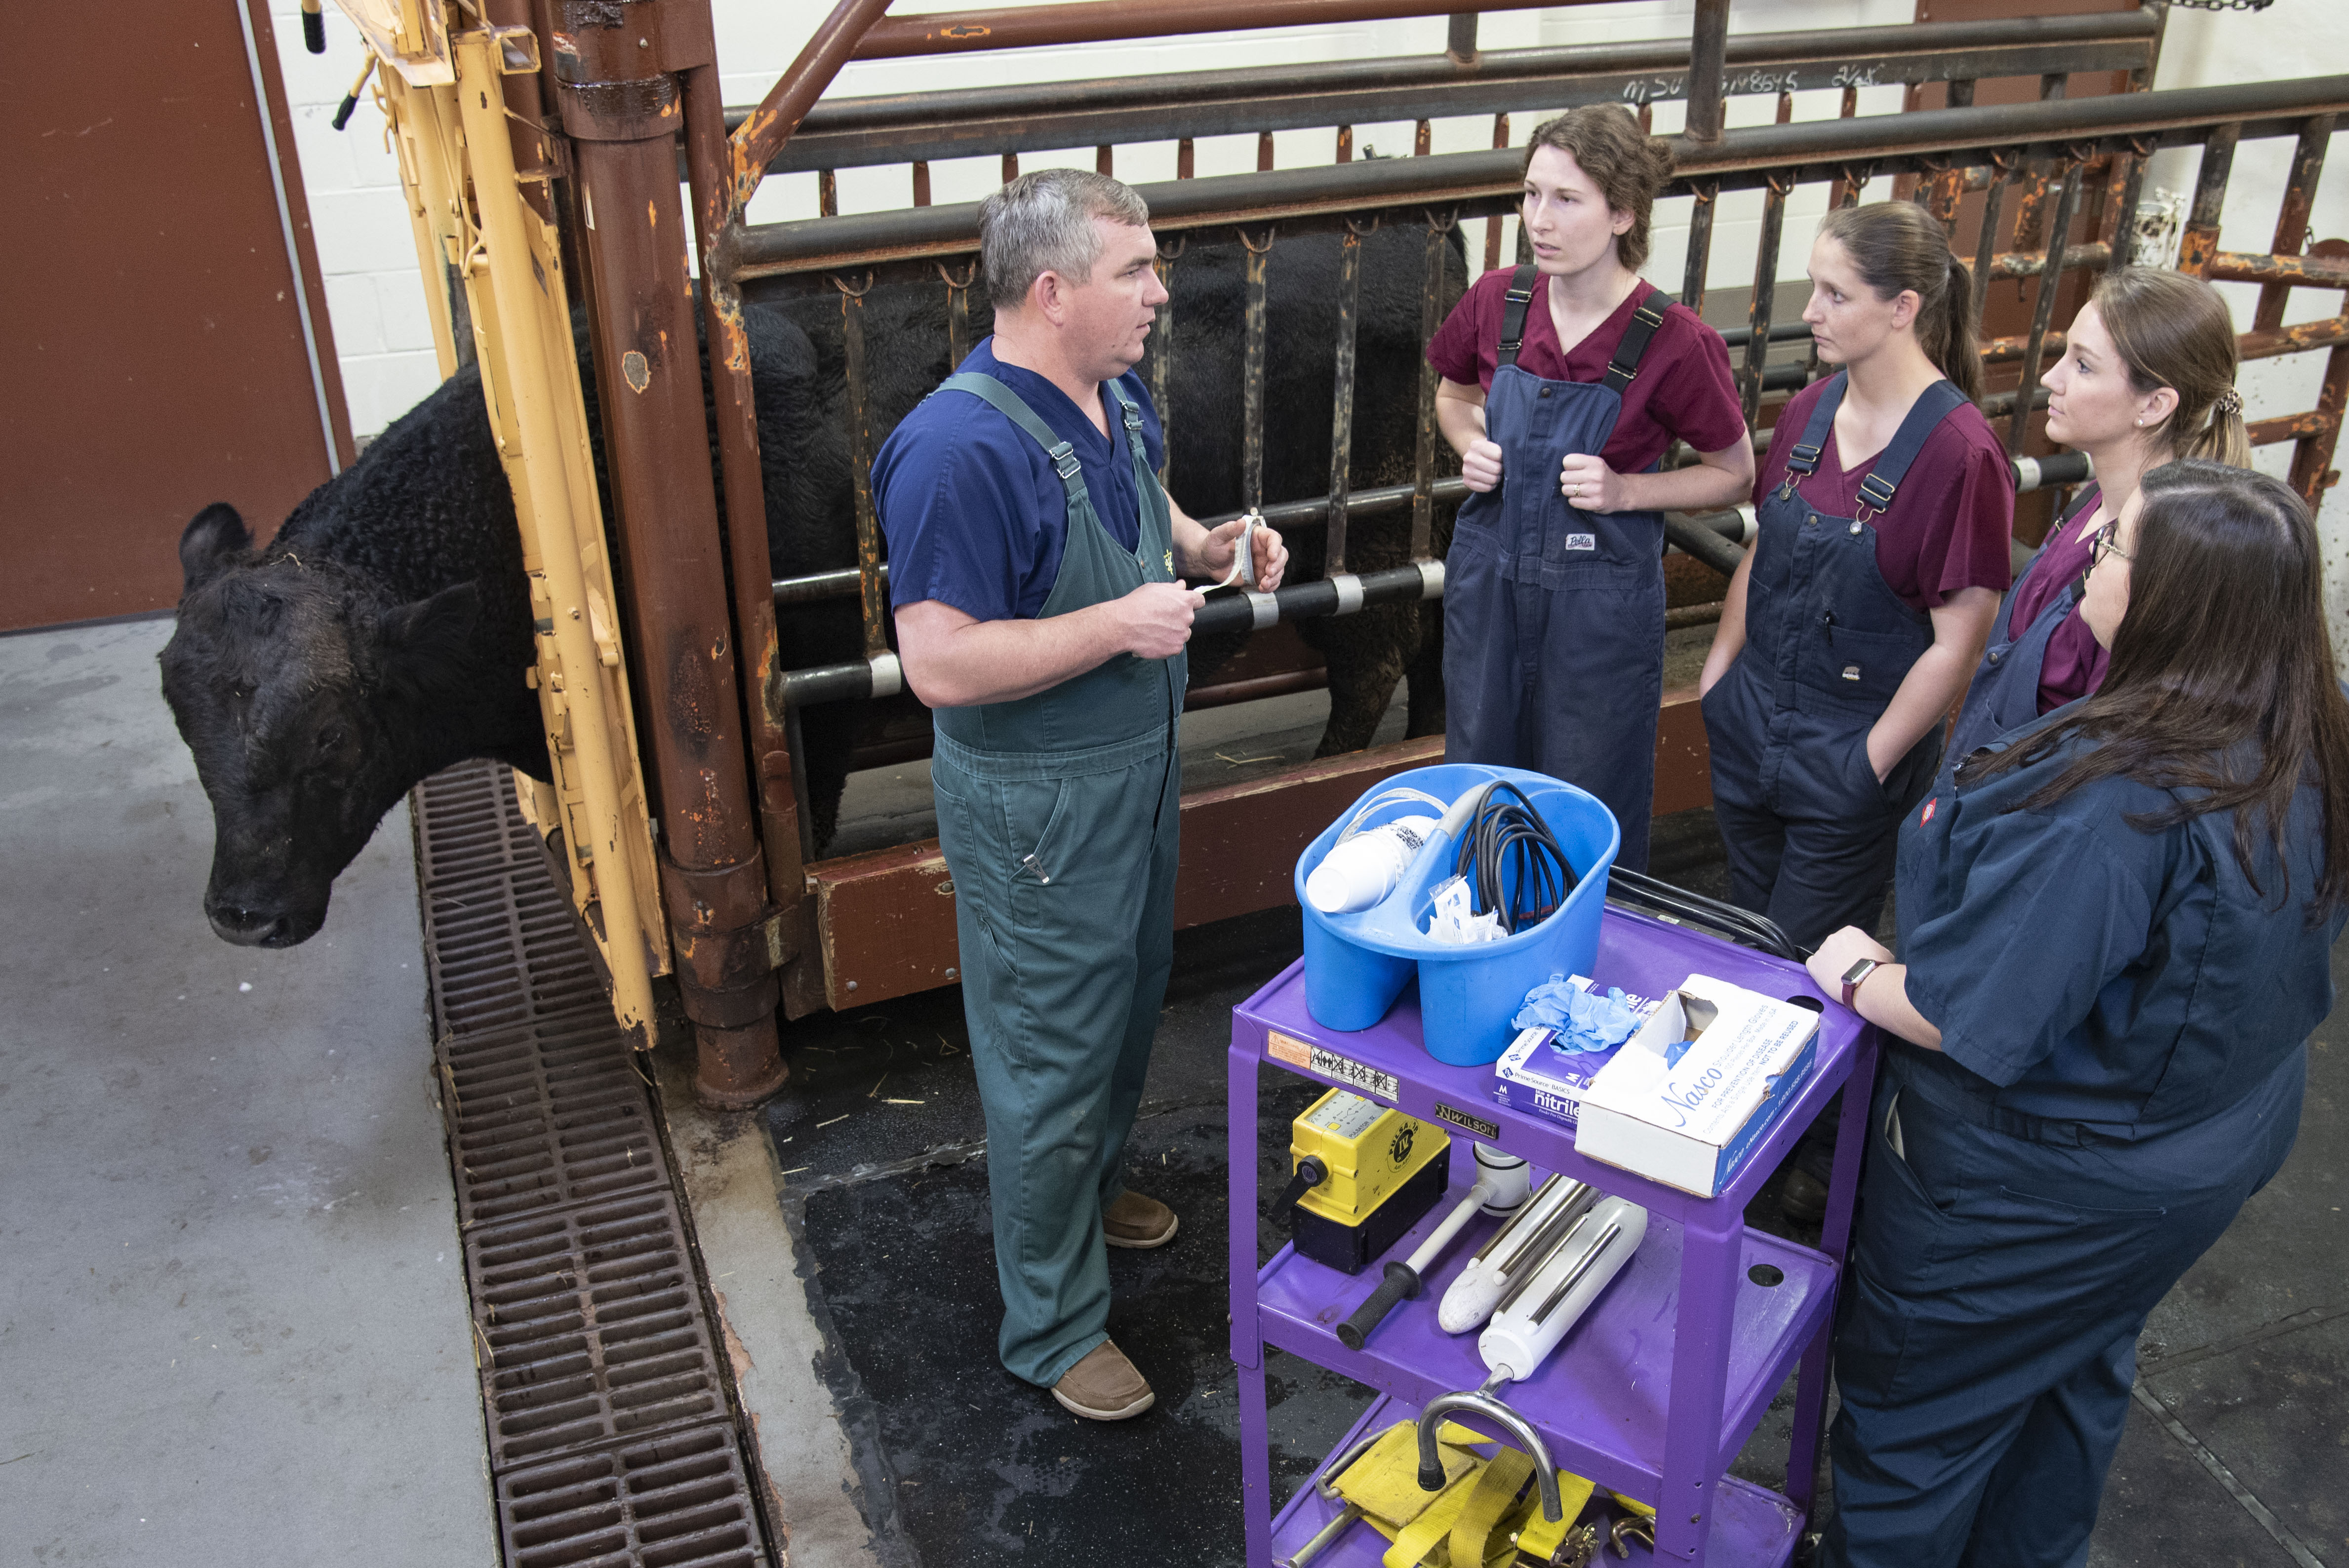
(610, 1439)
(986, 1469)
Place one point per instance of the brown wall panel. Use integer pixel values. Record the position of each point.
(155, 346)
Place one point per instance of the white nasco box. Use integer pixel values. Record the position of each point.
(1705, 1076)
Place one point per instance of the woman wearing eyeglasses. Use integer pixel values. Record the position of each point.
(2148, 376)
(2113, 942)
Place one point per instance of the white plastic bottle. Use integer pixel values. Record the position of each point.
(1358, 872)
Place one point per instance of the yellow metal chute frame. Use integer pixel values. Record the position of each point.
(477, 236)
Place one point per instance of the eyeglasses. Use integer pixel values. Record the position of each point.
(2102, 544)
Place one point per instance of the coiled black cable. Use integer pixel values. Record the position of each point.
(1727, 920)
(1506, 837)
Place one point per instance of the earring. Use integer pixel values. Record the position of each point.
(2140, 421)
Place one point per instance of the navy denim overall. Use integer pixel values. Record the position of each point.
(1554, 616)
(1808, 829)
(2005, 691)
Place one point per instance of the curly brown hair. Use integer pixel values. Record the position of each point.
(1629, 166)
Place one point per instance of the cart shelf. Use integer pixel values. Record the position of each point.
(1656, 1390)
(1750, 1524)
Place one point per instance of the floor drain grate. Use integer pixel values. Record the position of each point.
(593, 1328)
(610, 1437)
(679, 1499)
(546, 1114)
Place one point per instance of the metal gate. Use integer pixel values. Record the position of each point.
(751, 920)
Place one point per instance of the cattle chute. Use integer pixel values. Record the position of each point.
(748, 910)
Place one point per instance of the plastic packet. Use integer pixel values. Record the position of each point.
(1455, 921)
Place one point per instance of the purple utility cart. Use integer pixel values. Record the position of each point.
(1655, 1391)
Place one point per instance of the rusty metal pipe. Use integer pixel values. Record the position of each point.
(2292, 222)
(908, 126)
(1431, 316)
(2307, 272)
(1708, 60)
(1700, 244)
(1765, 289)
(1341, 420)
(717, 228)
(621, 108)
(1099, 21)
(2042, 307)
(2201, 238)
(1252, 371)
(764, 130)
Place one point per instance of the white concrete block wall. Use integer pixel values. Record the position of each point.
(367, 250)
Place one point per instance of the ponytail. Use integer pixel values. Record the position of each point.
(2222, 438)
(1899, 246)
(1952, 343)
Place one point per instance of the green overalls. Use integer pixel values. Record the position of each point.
(1058, 814)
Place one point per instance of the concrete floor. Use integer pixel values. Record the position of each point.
(234, 1326)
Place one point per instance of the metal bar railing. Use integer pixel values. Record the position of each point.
(920, 128)
(2042, 307)
(1341, 419)
(1483, 181)
(2054, 146)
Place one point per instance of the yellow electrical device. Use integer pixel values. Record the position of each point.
(1362, 1175)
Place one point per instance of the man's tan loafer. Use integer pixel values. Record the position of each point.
(1103, 1387)
(1134, 1221)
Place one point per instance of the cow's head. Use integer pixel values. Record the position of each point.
(303, 696)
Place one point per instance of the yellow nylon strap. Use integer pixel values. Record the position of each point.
(1496, 1493)
(1385, 1481)
(1541, 1539)
(1416, 1541)
(1645, 1510)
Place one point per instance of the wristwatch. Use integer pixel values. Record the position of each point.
(1855, 974)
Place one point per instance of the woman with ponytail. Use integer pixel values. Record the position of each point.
(1887, 509)
(1563, 383)
(2148, 377)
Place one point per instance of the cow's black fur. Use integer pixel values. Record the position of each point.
(906, 354)
(385, 632)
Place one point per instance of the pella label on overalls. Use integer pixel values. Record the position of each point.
(1582, 541)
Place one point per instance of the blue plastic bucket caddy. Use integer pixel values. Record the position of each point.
(1357, 964)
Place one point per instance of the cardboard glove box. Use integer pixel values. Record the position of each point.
(1703, 1078)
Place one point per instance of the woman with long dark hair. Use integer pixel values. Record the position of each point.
(1887, 509)
(2146, 377)
(2115, 934)
(1564, 382)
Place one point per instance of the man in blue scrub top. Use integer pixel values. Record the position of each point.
(1035, 563)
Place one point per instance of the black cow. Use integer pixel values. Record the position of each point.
(385, 632)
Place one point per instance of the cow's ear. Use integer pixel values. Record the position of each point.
(214, 541)
(425, 642)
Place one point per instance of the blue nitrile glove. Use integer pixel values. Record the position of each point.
(1595, 1024)
(1544, 1005)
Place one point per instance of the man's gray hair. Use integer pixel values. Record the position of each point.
(1043, 222)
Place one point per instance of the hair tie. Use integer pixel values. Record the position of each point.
(2230, 402)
